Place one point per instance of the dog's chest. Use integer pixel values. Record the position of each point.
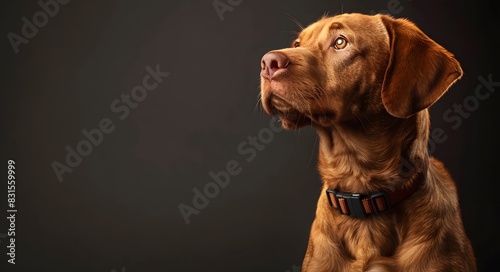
(364, 239)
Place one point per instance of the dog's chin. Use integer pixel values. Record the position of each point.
(293, 118)
(290, 117)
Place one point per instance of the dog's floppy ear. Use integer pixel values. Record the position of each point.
(419, 71)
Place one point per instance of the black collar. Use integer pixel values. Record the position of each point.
(361, 206)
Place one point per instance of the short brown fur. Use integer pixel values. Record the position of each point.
(368, 102)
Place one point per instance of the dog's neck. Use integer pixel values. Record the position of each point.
(367, 155)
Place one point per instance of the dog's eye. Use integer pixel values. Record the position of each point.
(340, 43)
(296, 44)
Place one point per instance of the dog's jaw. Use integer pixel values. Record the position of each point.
(290, 117)
(293, 116)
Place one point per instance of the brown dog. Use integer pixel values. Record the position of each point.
(365, 83)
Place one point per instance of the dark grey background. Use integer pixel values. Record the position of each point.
(118, 209)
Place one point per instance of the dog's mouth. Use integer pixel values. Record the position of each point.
(293, 118)
(290, 117)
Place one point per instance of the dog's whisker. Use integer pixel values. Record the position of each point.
(295, 21)
(258, 103)
(313, 150)
(366, 118)
(361, 121)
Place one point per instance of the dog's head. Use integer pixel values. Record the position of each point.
(350, 66)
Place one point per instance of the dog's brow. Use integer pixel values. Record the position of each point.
(336, 25)
(304, 36)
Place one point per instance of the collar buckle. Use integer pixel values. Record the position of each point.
(357, 205)
(347, 203)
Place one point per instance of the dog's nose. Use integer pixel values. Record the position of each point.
(272, 62)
